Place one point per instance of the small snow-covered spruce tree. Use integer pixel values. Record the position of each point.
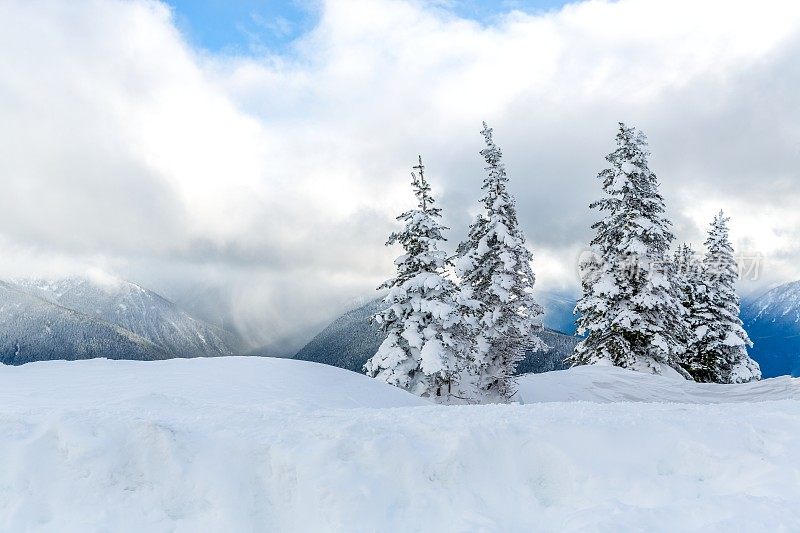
(629, 311)
(719, 351)
(494, 266)
(691, 290)
(423, 348)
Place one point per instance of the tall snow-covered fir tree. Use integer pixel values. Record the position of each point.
(423, 349)
(718, 351)
(494, 266)
(630, 311)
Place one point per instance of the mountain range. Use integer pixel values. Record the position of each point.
(83, 318)
(88, 317)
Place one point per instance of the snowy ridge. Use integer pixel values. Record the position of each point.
(780, 303)
(143, 317)
(258, 444)
(773, 323)
(32, 328)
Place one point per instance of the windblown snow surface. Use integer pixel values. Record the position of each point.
(254, 444)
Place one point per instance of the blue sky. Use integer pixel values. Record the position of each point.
(253, 26)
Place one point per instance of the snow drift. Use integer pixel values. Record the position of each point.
(613, 384)
(250, 444)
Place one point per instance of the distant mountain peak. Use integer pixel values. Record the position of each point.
(772, 321)
(134, 310)
(780, 301)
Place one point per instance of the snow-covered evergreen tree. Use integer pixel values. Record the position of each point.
(687, 277)
(424, 346)
(630, 310)
(719, 350)
(495, 270)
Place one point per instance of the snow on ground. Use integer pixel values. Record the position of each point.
(217, 383)
(247, 444)
(613, 384)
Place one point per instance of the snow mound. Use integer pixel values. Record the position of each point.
(229, 382)
(249, 444)
(605, 384)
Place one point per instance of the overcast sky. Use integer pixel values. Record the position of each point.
(266, 169)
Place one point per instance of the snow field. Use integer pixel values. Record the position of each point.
(605, 384)
(248, 444)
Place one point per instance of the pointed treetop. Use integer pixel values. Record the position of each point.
(492, 153)
(719, 259)
(494, 182)
(625, 132)
(631, 145)
(685, 261)
(719, 228)
(631, 132)
(422, 189)
(487, 134)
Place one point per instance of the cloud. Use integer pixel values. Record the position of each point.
(277, 177)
